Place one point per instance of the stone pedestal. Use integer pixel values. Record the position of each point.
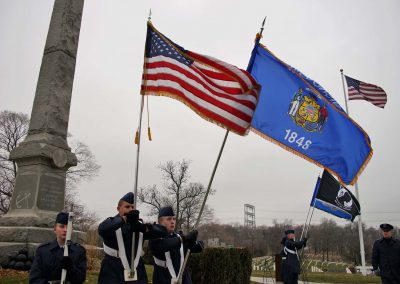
(27, 232)
(44, 157)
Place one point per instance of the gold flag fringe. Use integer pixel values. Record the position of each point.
(354, 180)
(293, 151)
(176, 97)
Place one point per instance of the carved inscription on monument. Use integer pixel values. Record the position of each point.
(22, 198)
(51, 193)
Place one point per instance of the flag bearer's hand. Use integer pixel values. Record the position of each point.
(132, 217)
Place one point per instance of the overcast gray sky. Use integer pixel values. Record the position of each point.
(317, 37)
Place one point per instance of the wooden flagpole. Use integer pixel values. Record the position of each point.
(360, 229)
(138, 140)
(209, 187)
(203, 205)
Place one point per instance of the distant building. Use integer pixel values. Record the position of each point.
(215, 243)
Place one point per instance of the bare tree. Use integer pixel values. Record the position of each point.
(185, 197)
(13, 129)
(87, 167)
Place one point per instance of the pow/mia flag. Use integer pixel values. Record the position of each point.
(330, 196)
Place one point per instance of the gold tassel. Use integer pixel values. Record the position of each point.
(137, 137)
(149, 133)
(148, 119)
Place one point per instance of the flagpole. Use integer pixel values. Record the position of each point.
(135, 186)
(138, 136)
(305, 229)
(212, 176)
(211, 180)
(304, 226)
(309, 223)
(312, 204)
(360, 229)
(203, 205)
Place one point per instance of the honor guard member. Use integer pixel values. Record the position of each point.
(290, 261)
(169, 253)
(50, 260)
(117, 235)
(386, 256)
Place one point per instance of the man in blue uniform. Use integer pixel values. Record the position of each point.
(169, 252)
(50, 260)
(290, 261)
(117, 235)
(386, 256)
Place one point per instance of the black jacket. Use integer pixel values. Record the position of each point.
(46, 265)
(290, 261)
(172, 243)
(386, 257)
(112, 270)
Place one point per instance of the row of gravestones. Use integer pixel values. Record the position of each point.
(19, 261)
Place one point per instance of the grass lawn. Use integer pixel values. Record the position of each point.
(21, 277)
(17, 277)
(330, 277)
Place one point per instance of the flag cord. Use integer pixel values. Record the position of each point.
(360, 229)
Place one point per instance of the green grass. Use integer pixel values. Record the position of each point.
(330, 277)
(91, 277)
(324, 277)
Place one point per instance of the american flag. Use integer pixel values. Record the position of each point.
(358, 90)
(215, 90)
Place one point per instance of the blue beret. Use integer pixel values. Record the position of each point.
(166, 211)
(287, 232)
(128, 198)
(386, 227)
(62, 218)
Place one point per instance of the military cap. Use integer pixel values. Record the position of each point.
(386, 227)
(128, 198)
(62, 218)
(290, 231)
(166, 211)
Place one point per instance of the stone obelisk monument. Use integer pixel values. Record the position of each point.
(44, 156)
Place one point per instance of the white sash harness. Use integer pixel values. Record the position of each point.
(167, 263)
(120, 253)
(286, 250)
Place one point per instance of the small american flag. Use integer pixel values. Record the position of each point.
(358, 90)
(215, 90)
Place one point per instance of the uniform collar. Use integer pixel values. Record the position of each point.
(391, 241)
(54, 244)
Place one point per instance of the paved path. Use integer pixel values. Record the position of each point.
(272, 281)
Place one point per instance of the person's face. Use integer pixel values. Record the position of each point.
(387, 234)
(290, 236)
(61, 231)
(169, 222)
(124, 208)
